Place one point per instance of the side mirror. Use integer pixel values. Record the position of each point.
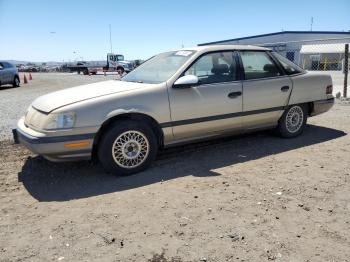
(186, 81)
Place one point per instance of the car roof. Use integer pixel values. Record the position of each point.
(226, 47)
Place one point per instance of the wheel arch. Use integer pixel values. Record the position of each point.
(128, 116)
(17, 76)
(309, 107)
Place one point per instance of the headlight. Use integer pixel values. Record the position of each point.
(60, 121)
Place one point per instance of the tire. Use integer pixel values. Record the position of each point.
(293, 121)
(135, 147)
(16, 82)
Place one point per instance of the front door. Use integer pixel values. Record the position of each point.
(214, 106)
(266, 90)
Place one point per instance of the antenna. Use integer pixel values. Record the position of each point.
(110, 37)
(312, 22)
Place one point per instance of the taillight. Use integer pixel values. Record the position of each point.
(329, 89)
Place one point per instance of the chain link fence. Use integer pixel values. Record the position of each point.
(328, 55)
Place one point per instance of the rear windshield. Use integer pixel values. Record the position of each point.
(289, 66)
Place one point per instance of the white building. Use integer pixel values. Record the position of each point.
(313, 50)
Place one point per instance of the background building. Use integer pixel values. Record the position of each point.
(312, 50)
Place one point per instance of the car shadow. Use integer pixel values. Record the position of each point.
(4, 87)
(48, 181)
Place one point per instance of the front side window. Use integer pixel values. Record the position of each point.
(214, 68)
(289, 67)
(159, 68)
(258, 65)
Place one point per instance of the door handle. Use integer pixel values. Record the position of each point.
(234, 94)
(284, 88)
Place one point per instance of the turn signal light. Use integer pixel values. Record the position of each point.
(78, 144)
(329, 90)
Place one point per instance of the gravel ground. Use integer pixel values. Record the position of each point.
(256, 197)
(42, 83)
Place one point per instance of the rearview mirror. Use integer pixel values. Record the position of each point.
(186, 81)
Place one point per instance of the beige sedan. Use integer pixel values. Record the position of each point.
(175, 97)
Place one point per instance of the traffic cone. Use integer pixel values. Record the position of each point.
(25, 81)
(30, 76)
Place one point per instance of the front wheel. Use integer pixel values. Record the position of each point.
(127, 147)
(293, 121)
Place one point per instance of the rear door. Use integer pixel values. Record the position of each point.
(266, 89)
(8, 72)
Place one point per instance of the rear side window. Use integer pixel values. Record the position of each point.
(289, 67)
(258, 65)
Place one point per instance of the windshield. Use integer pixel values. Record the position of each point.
(159, 68)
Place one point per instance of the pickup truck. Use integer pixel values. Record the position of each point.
(114, 62)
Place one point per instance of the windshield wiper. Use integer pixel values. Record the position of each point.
(139, 81)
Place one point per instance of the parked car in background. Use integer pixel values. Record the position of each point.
(174, 98)
(9, 74)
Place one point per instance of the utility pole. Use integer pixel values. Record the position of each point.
(110, 37)
(312, 22)
(346, 70)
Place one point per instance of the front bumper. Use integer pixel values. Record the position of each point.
(322, 106)
(55, 148)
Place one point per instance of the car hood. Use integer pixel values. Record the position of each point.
(52, 101)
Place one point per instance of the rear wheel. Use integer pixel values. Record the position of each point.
(16, 82)
(293, 121)
(127, 147)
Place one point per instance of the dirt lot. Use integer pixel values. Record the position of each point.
(256, 197)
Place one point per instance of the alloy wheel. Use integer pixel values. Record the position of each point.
(130, 149)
